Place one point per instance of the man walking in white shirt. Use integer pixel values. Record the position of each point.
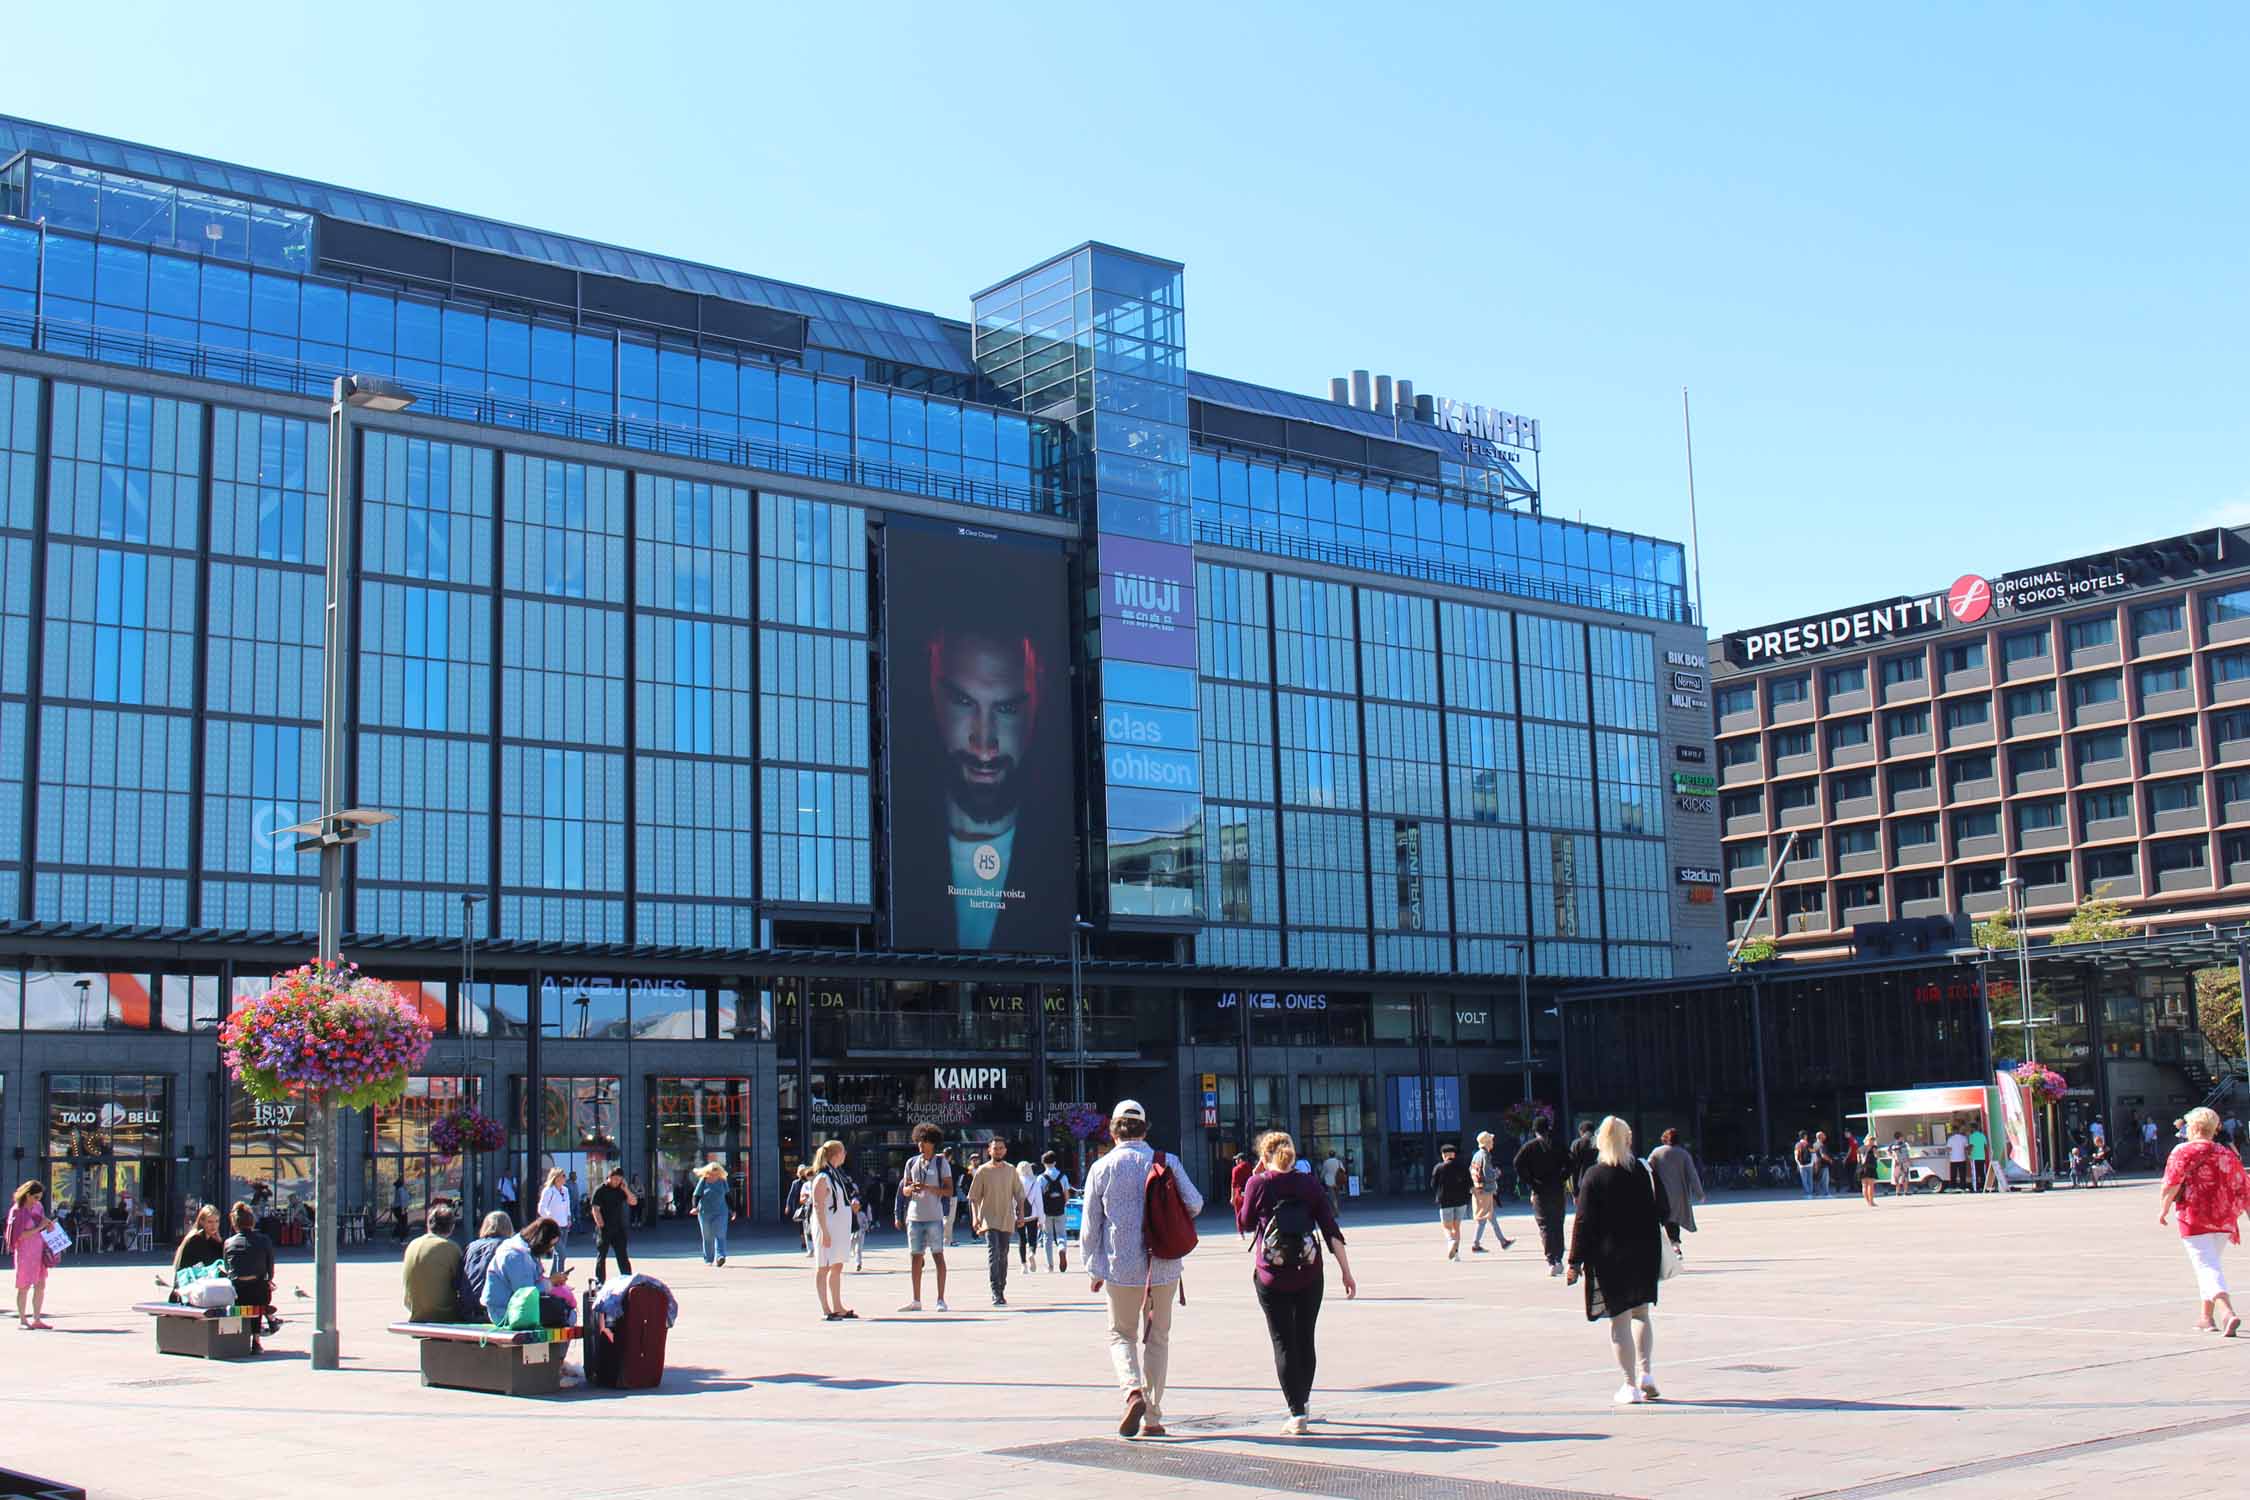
(1142, 1292)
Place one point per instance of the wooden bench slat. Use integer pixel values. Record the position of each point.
(484, 1333)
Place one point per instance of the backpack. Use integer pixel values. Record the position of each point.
(1054, 1194)
(1166, 1224)
(1288, 1240)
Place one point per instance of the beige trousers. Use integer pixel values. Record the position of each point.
(1141, 1366)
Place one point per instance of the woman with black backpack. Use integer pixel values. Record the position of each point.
(1288, 1216)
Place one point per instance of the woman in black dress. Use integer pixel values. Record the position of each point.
(1614, 1245)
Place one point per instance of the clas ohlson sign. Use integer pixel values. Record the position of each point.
(1974, 596)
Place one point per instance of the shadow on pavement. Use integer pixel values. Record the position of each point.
(1404, 1437)
(1806, 1403)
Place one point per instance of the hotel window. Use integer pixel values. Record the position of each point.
(1851, 788)
(1860, 838)
(1739, 857)
(1741, 805)
(1968, 656)
(2102, 687)
(2095, 630)
(1968, 713)
(1847, 736)
(2229, 666)
(2098, 807)
(2234, 786)
(2166, 618)
(2027, 760)
(1919, 888)
(2233, 726)
(2089, 749)
(1835, 681)
(2224, 609)
(2175, 796)
(2024, 645)
(2108, 864)
(2024, 702)
(1915, 833)
(1980, 880)
(1807, 846)
(1983, 824)
(1792, 795)
(1900, 670)
(1741, 752)
(1963, 769)
(1792, 689)
(1738, 699)
(1792, 742)
(2034, 817)
(2162, 677)
(1915, 778)
(2159, 738)
(2179, 854)
(1903, 723)
(2038, 872)
(1859, 894)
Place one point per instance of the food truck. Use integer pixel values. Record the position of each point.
(1926, 1116)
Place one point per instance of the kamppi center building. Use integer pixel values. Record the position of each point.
(2081, 726)
(803, 716)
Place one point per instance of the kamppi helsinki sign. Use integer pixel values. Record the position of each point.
(1973, 597)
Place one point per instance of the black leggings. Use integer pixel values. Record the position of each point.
(1547, 1208)
(1290, 1317)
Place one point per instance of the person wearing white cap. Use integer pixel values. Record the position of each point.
(1142, 1290)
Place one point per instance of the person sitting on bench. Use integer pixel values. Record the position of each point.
(249, 1257)
(431, 1270)
(517, 1264)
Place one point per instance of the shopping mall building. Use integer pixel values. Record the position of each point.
(804, 716)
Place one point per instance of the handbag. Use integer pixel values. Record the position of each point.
(211, 1292)
(56, 1238)
(1667, 1257)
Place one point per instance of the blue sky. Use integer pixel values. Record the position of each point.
(1956, 288)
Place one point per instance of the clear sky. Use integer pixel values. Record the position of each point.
(1956, 287)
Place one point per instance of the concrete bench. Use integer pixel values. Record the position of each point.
(203, 1332)
(480, 1357)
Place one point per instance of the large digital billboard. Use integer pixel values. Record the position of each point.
(979, 765)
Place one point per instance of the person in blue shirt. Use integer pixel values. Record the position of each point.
(518, 1264)
(712, 1212)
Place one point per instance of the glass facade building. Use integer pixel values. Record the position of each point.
(1341, 702)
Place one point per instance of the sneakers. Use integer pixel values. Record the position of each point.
(1153, 1429)
(1453, 1252)
(1629, 1394)
(1136, 1409)
(1554, 1268)
(915, 1307)
(722, 1260)
(941, 1307)
(1478, 1250)
(1294, 1427)
(1648, 1387)
(999, 1302)
(1505, 1242)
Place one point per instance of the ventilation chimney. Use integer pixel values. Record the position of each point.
(1425, 409)
(1361, 397)
(1383, 394)
(1340, 390)
(1406, 399)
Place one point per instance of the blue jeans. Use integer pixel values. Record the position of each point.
(1804, 1175)
(714, 1227)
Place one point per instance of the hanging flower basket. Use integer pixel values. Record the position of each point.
(1522, 1116)
(2041, 1081)
(1086, 1124)
(463, 1131)
(325, 1032)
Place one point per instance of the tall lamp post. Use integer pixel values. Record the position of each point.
(2019, 907)
(1078, 925)
(1522, 951)
(472, 1023)
(338, 827)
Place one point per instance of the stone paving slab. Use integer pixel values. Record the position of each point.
(2013, 1346)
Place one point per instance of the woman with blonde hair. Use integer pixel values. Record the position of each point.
(202, 1245)
(24, 1237)
(828, 1216)
(1615, 1244)
(2205, 1181)
(554, 1203)
(1290, 1218)
(712, 1211)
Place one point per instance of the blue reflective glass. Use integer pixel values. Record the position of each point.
(322, 309)
(1137, 682)
(507, 343)
(70, 268)
(416, 330)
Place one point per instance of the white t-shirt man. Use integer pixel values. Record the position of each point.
(1332, 1173)
(1957, 1147)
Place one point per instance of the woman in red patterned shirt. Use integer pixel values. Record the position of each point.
(2205, 1181)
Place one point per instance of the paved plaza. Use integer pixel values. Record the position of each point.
(2022, 1346)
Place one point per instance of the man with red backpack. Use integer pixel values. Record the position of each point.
(1138, 1224)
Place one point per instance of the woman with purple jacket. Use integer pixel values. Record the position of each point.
(1289, 1218)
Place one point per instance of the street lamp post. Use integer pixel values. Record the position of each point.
(338, 827)
(1078, 925)
(472, 1022)
(1522, 951)
(2019, 907)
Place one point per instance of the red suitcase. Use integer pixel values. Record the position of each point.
(627, 1352)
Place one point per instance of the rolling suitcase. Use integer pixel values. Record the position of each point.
(627, 1352)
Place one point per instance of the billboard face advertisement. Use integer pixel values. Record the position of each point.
(980, 773)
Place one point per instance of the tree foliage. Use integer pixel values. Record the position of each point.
(1996, 932)
(2218, 1008)
(1756, 951)
(2098, 919)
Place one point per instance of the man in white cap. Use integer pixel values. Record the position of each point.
(1142, 1292)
